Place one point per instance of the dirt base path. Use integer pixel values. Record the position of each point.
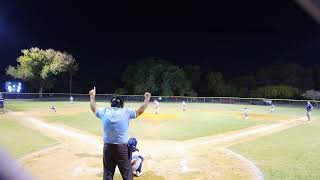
(79, 155)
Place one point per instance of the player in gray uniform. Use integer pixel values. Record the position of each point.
(156, 105)
(1, 103)
(71, 100)
(272, 108)
(53, 108)
(245, 113)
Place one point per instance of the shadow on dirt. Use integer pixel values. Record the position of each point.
(147, 175)
(84, 155)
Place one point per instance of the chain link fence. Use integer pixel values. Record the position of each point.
(171, 99)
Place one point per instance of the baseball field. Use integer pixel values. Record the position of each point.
(207, 141)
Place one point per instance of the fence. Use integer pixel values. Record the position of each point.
(173, 99)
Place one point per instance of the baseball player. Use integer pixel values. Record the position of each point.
(1, 103)
(71, 100)
(309, 109)
(156, 105)
(272, 108)
(184, 106)
(245, 113)
(53, 108)
(136, 157)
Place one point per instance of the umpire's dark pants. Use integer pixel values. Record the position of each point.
(116, 155)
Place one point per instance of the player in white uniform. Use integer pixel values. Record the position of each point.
(71, 100)
(184, 106)
(53, 109)
(272, 108)
(245, 113)
(156, 105)
(136, 157)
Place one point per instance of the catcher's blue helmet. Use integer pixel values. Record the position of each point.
(132, 143)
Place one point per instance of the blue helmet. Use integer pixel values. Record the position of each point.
(132, 143)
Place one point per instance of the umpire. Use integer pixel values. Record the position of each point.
(115, 122)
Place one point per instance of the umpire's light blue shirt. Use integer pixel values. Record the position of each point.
(115, 123)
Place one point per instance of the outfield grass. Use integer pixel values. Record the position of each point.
(172, 124)
(20, 140)
(32, 105)
(290, 154)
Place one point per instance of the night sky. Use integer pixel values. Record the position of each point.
(233, 37)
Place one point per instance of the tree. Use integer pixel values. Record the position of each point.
(278, 91)
(175, 82)
(290, 74)
(316, 77)
(216, 83)
(243, 85)
(40, 67)
(157, 76)
(72, 67)
(312, 94)
(193, 75)
(121, 91)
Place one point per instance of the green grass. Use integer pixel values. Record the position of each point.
(290, 154)
(84, 121)
(199, 120)
(20, 140)
(31, 105)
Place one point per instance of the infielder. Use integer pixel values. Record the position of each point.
(53, 108)
(309, 109)
(156, 105)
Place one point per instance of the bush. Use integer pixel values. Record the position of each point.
(280, 91)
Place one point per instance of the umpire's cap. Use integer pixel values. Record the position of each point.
(116, 101)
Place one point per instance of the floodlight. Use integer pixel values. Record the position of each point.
(13, 86)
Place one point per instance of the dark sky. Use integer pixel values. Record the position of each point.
(105, 37)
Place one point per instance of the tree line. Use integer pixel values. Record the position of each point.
(161, 77)
(42, 68)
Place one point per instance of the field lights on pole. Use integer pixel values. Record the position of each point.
(13, 87)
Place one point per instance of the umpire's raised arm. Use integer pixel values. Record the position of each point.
(93, 104)
(144, 106)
